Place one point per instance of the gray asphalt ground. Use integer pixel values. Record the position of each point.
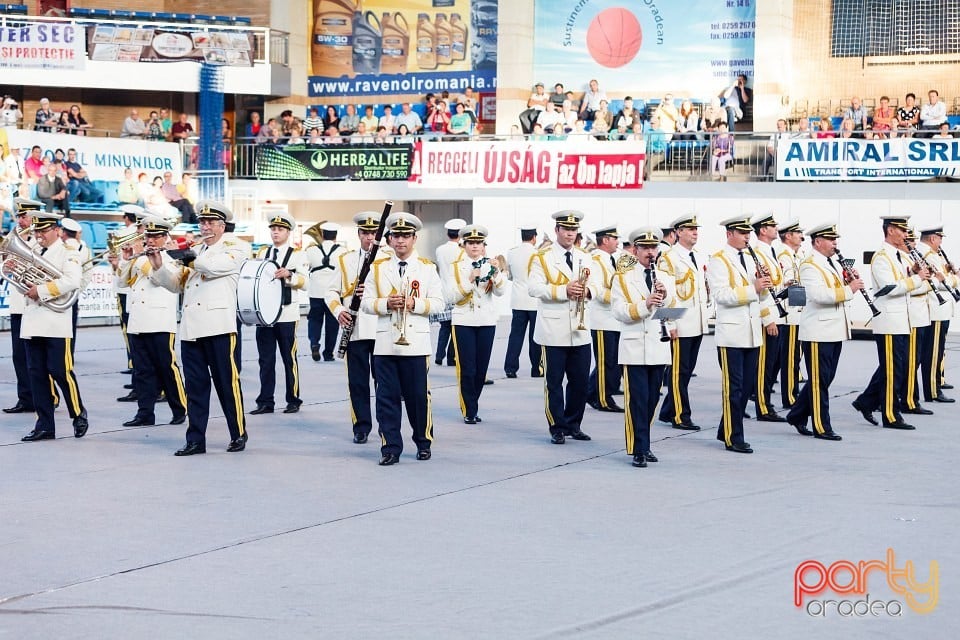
(500, 535)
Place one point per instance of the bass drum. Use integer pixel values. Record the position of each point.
(259, 294)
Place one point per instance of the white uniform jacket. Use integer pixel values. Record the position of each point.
(939, 312)
(518, 261)
(690, 290)
(152, 307)
(473, 305)
(340, 294)
(790, 261)
(918, 310)
(557, 318)
(295, 261)
(768, 258)
(741, 313)
(209, 289)
(446, 254)
(887, 269)
(420, 279)
(119, 283)
(640, 333)
(321, 271)
(38, 320)
(601, 308)
(825, 318)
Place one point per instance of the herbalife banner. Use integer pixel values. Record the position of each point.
(853, 159)
(334, 162)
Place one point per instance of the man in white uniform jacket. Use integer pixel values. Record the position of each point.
(524, 308)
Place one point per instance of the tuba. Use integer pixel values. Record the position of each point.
(314, 232)
(22, 268)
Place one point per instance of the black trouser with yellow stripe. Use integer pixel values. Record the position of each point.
(911, 396)
(154, 368)
(813, 400)
(205, 358)
(887, 385)
(931, 359)
(50, 358)
(359, 362)
(472, 347)
(19, 352)
(789, 364)
(403, 379)
(564, 414)
(605, 377)
(676, 405)
(281, 336)
(738, 374)
(518, 326)
(641, 392)
(768, 365)
(124, 318)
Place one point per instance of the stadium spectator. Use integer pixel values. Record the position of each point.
(388, 120)
(166, 122)
(269, 133)
(721, 152)
(59, 158)
(430, 102)
(331, 118)
(369, 119)
(602, 121)
(908, 115)
(688, 124)
(469, 101)
(848, 128)
(770, 157)
(10, 114)
(802, 130)
(460, 123)
(570, 115)
(858, 113)
(591, 100)
(636, 133)
(332, 136)
(934, 113)
(713, 115)
(735, 101)
(315, 136)
(627, 116)
(944, 131)
(313, 120)
(181, 129)
(46, 119)
(133, 126)
(176, 200)
(538, 99)
(410, 118)
(551, 118)
(252, 129)
(79, 187)
(883, 117)
(538, 134)
(154, 127)
(226, 137)
(16, 172)
(362, 135)
(33, 165)
(669, 115)
(382, 136)
(826, 129)
(77, 123)
(656, 136)
(291, 127)
(558, 95)
(63, 122)
(439, 121)
(127, 192)
(403, 135)
(52, 191)
(350, 121)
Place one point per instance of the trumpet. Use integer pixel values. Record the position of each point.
(850, 274)
(116, 244)
(582, 300)
(406, 291)
(920, 263)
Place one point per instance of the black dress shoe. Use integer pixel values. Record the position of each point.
(139, 422)
(638, 461)
(129, 385)
(946, 386)
(900, 424)
(827, 435)
(488, 381)
(512, 375)
(685, 426)
(866, 413)
(130, 397)
(179, 419)
(918, 411)
(292, 408)
(537, 374)
(649, 457)
(943, 398)
(328, 358)
(388, 459)
(261, 408)
(22, 408)
(359, 438)
(469, 420)
(439, 363)
(801, 428)
(35, 435)
(127, 371)
(315, 354)
(771, 416)
(579, 435)
(557, 438)
(80, 425)
(740, 448)
(237, 445)
(191, 449)
(423, 454)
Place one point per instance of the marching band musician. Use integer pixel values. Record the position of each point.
(524, 308)
(824, 325)
(152, 328)
(132, 214)
(932, 349)
(918, 312)
(47, 332)
(446, 254)
(208, 326)
(765, 227)
(24, 209)
(402, 290)
(604, 327)
(359, 356)
(638, 292)
(741, 297)
(244, 249)
(70, 234)
(891, 329)
(688, 281)
(282, 334)
(473, 283)
(790, 256)
(561, 279)
(320, 319)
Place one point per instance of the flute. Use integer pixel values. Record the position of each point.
(762, 273)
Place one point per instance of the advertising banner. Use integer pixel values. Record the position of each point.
(334, 162)
(644, 48)
(854, 159)
(98, 300)
(388, 47)
(42, 45)
(528, 165)
(104, 158)
(125, 43)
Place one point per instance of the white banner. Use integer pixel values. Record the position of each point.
(552, 164)
(43, 45)
(855, 159)
(98, 300)
(104, 158)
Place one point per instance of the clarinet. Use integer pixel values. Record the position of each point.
(664, 334)
(953, 290)
(850, 274)
(920, 262)
(762, 272)
(361, 277)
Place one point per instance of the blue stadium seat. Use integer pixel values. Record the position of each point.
(99, 13)
(615, 106)
(99, 237)
(420, 109)
(163, 16)
(182, 17)
(954, 121)
(201, 18)
(80, 12)
(242, 21)
(225, 20)
(143, 15)
(121, 13)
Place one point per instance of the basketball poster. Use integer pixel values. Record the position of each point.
(644, 47)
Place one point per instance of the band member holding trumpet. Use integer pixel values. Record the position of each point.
(402, 290)
(282, 335)
(604, 327)
(132, 215)
(23, 208)
(768, 363)
(933, 346)
(152, 327)
(359, 357)
(47, 331)
(790, 256)
(741, 296)
(639, 290)
(684, 268)
(560, 278)
(824, 325)
(208, 326)
(473, 283)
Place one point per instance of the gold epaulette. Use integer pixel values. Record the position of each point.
(428, 261)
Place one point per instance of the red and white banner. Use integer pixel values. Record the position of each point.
(26, 44)
(551, 164)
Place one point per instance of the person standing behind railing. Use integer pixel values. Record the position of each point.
(154, 127)
(10, 115)
(252, 130)
(46, 119)
(133, 126)
(78, 124)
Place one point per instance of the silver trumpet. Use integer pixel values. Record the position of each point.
(401, 322)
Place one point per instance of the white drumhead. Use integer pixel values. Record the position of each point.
(259, 295)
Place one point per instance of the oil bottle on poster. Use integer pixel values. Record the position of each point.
(444, 39)
(367, 43)
(458, 38)
(395, 43)
(332, 45)
(426, 42)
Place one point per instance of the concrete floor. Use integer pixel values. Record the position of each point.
(500, 535)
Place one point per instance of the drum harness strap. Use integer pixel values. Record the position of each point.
(326, 258)
(287, 294)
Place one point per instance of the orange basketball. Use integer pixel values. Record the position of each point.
(614, 37)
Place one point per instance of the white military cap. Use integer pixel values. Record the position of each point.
(569, 218)
(282, 219)
(646, 236)
(763, 220)
(737, 223)
(687, 220)
(45, 219)
(134, 210)
(71, 225)
(793, 224)
(824, 230)
(156, 225)
(330, 226)
(609, 230)
(403, 222)
(26, 205)
(214, 210)
(455, 224)
(367, 220)
(474, 233)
